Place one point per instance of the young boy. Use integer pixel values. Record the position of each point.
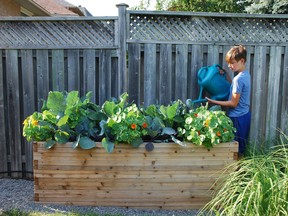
(238, 102)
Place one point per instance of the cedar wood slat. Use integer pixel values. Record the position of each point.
(174, 187)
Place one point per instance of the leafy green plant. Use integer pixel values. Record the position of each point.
(206, 127)
(255, 185)
(125, 123)
(65, 117)
(163, 120)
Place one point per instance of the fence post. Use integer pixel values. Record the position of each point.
(122, 69)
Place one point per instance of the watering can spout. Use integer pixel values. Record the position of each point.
(190, 103)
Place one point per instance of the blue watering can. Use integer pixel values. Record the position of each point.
(213, 82)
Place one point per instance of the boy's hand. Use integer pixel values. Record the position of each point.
(221, 70)
(209, 100)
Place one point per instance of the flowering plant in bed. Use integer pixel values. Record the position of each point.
(125, 123)
(66, 117)
(205, 127)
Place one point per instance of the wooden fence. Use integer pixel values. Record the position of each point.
(154, 56)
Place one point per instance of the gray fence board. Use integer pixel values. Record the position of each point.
(73, 70)
(284, 94)
(273, 93)
(213, 55)
(196, 63)
(134, 76)
(13, 111)
(258, 96)
(58, 77)
(42, 71)
(105, 81)
(181, 72)
(150, 75)
(89, 75)
(3, 141)
(28, 100)
(165, 74)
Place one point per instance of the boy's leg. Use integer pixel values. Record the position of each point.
(242, 125)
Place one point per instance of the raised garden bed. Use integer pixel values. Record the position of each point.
(169, 177)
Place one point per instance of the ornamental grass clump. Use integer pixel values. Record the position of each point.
(257, 185)
(206, 127)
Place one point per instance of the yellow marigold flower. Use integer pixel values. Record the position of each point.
(25, 122)
(207, 122)
(34, 122)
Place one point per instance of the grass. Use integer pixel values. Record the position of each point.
(257, 185)
(17, 212)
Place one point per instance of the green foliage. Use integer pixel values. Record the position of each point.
(66, 117)
(206, 6)
(231, 6)
(170, 115)
(143, 5)
(257, 185)
(265, 6)
(164, 120)
(125, 123)
(225, 6)
(206, 127)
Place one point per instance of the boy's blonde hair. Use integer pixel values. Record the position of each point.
(236, 53)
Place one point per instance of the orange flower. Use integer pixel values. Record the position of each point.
(196, 115)
(133, 126)
(198, 132)
(218, 133)
(144, 125)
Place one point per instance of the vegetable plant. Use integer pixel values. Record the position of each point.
(206, 127)
(66, 117)
(125, 123)
(163, 120)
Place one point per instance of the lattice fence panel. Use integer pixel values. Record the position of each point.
(147, 27)
(57, 34)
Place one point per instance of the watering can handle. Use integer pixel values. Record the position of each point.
(200, 73)
(216, 65)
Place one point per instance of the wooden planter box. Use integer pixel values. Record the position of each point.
(169, 177)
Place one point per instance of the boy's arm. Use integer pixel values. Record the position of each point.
(228, 78)
(230, 103)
